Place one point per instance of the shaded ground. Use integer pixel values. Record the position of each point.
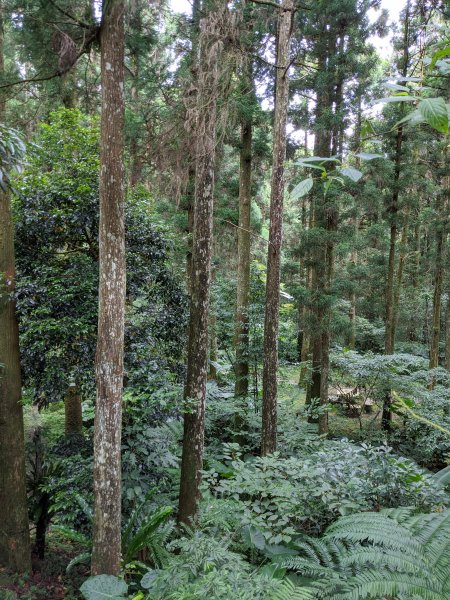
(49, 580)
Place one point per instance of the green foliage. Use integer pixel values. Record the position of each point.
(205, 567)
(396, 553)
(104, 587)
(281, 496)
(57, 256)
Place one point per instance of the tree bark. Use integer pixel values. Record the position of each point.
(441, 237)
(399, 282)
(73, 414)
(447, 333)
(243, 269)
(197, 362)
(271, 321)
(15, 552)
(106, 549)
(389, 341)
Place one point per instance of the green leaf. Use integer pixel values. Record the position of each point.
(368, 155)
(253, 537)
(408, 78)
(438, 55)
(302, 188)
(104, 587)
(352, 173)
(399, 98)
(318, 159)
(148, 579)
(442, 477)
(396, 87)
(81, 558)
(434, 111)
(414, 118)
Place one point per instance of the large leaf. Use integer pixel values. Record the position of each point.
(104, 587)
(148, 579)
(302, 188)
(318, 159)
(438, 55)
(443, 476)
(253, 537)
(413, 118)
(352, 173)
(368, 155)
(434, 111)
(398, 98)
(396, 87)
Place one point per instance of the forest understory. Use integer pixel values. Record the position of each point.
(224, 300)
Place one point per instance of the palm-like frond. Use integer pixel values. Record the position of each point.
(395, 554)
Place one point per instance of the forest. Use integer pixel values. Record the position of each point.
(224, 300)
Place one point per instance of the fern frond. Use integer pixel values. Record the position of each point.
(381, 583)
(72, 535)
(304, 567)
(288, 591)
(324, 551)
(401, 514)
(374, 528)
(81, 558)
(437, 527)
(145, 535)
(397, 560)
(442, 477)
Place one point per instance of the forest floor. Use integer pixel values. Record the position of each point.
(49, 580)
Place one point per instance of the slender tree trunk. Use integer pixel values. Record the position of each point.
(271, 321)
(393, 210)
(243, 270)
(399, 278)
(15, 552)
(192, 99)
(197, 362)
(213, 352)
(447, 332)
(441, 237)
(106, 550)
(73, 413)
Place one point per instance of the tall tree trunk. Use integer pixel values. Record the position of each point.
(14, 534)
(399, 278)
(447, 332)
(243, 268)
(15, 552)
(441, 237)
(192, 100)
(271, 321)
(389, 348)
(197, 362)
(106, 550)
